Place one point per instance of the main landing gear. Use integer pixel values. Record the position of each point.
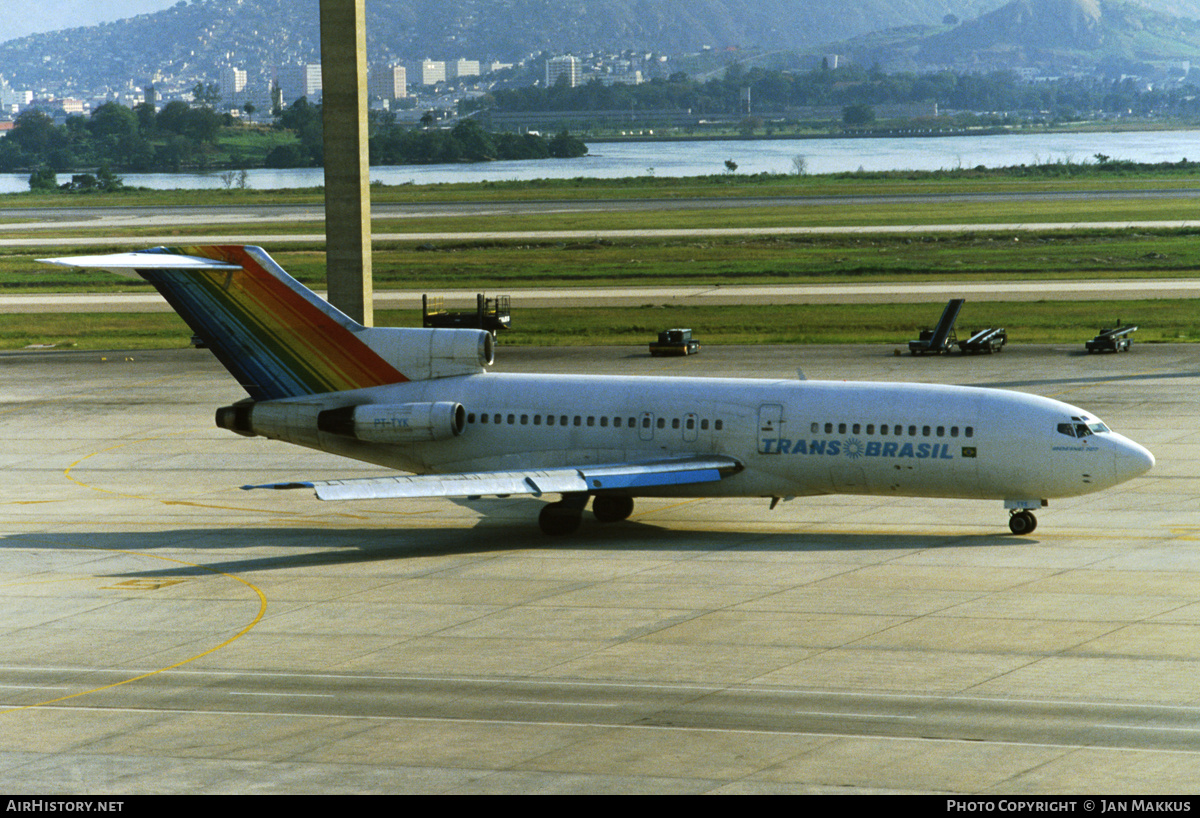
(1022, 521)
(563, 518)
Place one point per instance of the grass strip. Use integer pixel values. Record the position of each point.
(1071, 322)
(494, 266)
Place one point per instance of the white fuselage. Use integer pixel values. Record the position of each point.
(792, 437)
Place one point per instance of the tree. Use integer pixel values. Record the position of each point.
(477, 145)
(749, 125)
(206, 93)
(858, 115)
(35, 132)
(276, 99)
(565, 146)
(113, 119)
(43, 179)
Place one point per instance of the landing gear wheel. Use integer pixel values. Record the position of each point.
(611, 509)
(559, 519)
(1022, 522)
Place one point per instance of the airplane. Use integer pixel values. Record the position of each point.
(422, 401)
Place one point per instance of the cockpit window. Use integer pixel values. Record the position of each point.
(1081, 429)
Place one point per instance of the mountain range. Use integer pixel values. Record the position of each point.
(188, 42)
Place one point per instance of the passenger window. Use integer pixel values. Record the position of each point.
(604, 421)
(718, 425)
(828, 428)
(855, 429)
(969, 431)
(941, 431)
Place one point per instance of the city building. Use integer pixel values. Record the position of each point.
(388, 82)
(564, 66)
(232, 82)
(462, 68)
(296, 81)
(433, 72)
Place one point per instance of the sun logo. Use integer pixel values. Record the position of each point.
(854, 448)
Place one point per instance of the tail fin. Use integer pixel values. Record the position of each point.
(277, 337)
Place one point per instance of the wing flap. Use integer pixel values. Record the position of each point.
(611, 476)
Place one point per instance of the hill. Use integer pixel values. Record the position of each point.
(188, 42)
(1050, 36)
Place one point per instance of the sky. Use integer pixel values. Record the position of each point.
(21, 17)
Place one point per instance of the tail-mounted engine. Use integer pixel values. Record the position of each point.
(396, 423)
(303, 423)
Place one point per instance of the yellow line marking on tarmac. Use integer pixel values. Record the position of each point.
(680, 504)
(262, 608)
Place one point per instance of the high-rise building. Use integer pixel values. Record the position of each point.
(388, 82)
(232, 82)
(433, 72)
(297, 81)
(564, 66)
(462, 68)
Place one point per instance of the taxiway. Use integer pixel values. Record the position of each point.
(167, 632)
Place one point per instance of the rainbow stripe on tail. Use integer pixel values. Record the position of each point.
(277, 337)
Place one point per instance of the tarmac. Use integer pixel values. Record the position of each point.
(167, 632)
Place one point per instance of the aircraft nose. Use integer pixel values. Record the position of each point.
(1132, 460)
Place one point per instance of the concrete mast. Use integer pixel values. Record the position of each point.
(347, 166)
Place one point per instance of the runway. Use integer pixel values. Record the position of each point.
(167, 632)
(701, 296)
(662, 234)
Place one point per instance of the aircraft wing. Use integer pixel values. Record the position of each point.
(645, 474)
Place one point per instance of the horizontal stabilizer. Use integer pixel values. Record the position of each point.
(127, 264)
(612, 476)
